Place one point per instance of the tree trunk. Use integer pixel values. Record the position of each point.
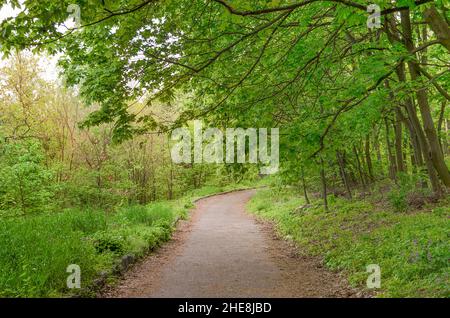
(422, 143)
(392, 164)
(398, 141)
(170, 180)
(438, 25)
(368, 158)
(443, 135)
(422, 100)
(341, 162)
(414, 148)
(376, 144)
(305, 192)
(360, 172)
(446, 143)
(324, 185)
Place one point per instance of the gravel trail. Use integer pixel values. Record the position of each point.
(223, 251)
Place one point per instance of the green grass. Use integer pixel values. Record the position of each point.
(35, 251)
(412, 249)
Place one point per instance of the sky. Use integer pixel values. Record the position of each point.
(47, 64)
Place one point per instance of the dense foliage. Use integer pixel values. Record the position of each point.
(360, 109)
(338, 90)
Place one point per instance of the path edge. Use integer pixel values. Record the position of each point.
(195, 200)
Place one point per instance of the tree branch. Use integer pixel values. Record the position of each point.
(294, 6)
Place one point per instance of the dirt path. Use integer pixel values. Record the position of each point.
(224, 252)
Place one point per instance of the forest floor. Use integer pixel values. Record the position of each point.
(223, 251)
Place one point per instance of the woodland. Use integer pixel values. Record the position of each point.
(362, 111)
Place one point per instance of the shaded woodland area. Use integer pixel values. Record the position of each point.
(363, 112)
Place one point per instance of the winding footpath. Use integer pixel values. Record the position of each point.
(223, 251)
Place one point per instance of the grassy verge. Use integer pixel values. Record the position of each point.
(411, 248)
(36, 251)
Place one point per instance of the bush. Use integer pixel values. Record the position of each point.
(25, 182)
(398, 200)
(408, 192)
(80, 194)
(109, 241)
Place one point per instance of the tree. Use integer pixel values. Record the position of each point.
(312, 68)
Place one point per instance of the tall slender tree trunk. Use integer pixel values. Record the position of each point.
(413, 158)
(422, 144)
(360, 172)
(398, 141)
(414, 149)
(170, 180)
(152, 168)
(437, 157)
(376, 144)
(447, 133)
(324, 184)
(392, 163)
(443, 134)
(368, 158)
(405, 153)
(417, 151)
(341, 161)
(305, 191)
(398, 134)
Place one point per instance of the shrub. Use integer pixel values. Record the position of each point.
(109, 241)
(25, 182)
(408, 192)
(398, 200)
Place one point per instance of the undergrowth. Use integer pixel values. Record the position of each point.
(411, 247)
(36, 250)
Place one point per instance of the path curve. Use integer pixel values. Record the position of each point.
(223, 251)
